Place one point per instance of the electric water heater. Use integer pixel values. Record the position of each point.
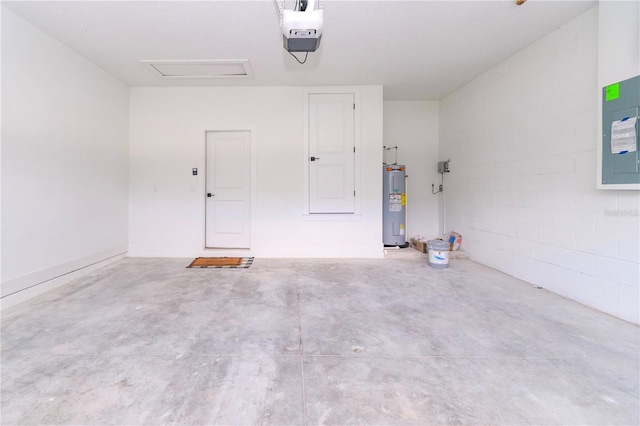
(394, 205)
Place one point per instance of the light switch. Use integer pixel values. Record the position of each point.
(194, 172)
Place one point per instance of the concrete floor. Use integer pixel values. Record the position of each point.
(306, 342)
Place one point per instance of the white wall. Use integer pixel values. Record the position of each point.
(522, 140)
(412, 126)
(618, 20)
(64, 159)
(167, 202)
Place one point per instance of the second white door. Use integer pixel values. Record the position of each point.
(228, 190)
(332, 153)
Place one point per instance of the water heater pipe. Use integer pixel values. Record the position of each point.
(444, 210)
(406, 209)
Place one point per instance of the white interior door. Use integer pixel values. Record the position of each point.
(228, 190)
(331, 153)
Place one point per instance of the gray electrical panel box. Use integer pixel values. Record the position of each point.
(443, 167)
(620, 141)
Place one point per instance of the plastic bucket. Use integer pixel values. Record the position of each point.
(438, 253)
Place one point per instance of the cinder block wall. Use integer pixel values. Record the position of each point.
(522, 139)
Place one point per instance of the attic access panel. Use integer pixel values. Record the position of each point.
(209, 68)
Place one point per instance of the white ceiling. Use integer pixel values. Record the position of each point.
(417, 50)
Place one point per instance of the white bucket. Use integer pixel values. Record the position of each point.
(438, 253)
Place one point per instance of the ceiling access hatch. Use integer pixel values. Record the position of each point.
(203, 68)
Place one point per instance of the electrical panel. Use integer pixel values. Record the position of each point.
(443, 166)
(620, 136)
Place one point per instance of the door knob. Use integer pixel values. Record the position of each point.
(209, 194)
(315, 158)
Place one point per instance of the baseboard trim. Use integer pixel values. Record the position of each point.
(296, 250)
(26, 287)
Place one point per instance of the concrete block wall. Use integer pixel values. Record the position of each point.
(522, 139)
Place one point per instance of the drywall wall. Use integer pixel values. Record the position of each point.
(412, 126)
(618, 40)
(64, 160)
(167, 140)
(522, 140)
(1, 9)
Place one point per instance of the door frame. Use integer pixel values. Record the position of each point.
(305, 150)
(202, 140)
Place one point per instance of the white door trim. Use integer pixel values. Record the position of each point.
(305, 147)
(202, 183)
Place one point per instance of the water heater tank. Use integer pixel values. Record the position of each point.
(394, 205)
